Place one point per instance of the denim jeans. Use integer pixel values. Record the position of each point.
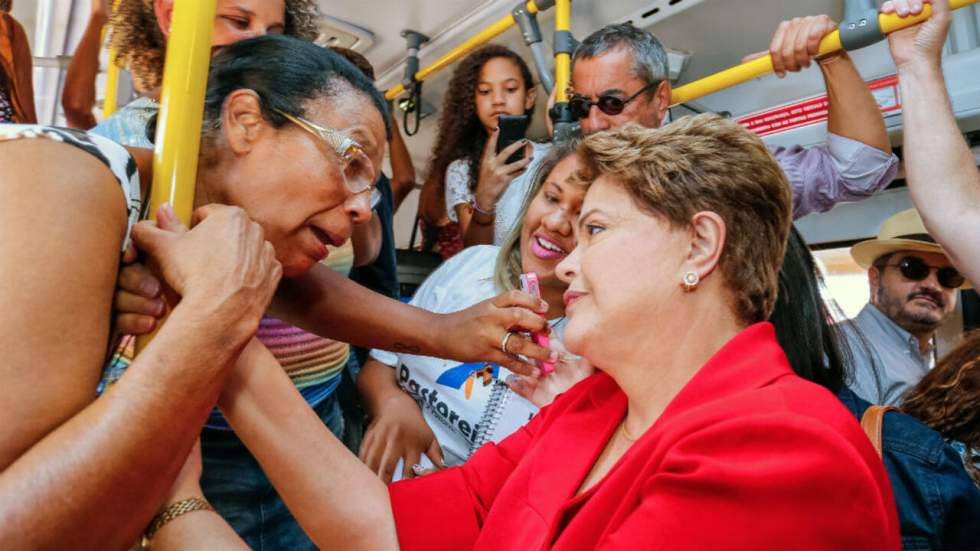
(235, 485)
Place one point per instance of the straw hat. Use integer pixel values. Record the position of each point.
(901, 232)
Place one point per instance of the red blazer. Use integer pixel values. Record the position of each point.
(747, 456)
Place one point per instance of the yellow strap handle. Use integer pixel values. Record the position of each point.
(763, 65)
(178, 135)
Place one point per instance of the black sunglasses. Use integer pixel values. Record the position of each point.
(914, 268)
(611, 105)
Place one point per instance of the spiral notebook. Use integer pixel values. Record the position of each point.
(505, 413)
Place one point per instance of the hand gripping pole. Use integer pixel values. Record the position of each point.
(178, 135)
(833, 42)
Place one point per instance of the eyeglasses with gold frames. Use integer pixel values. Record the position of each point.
(358, 170)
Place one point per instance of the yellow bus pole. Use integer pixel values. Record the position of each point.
(563, 60)
(761, 66)
(178, 135)
(473, 43)
(111, 102)
(563, 121)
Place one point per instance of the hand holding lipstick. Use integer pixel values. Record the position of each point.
(568, 371)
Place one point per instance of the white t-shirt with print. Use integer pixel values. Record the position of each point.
(509, 205)
(452, 395)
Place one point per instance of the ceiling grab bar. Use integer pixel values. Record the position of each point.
(178, 135)
(528, 23)
(850, 36)
(466, 47)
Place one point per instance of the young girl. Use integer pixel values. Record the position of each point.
(466, 172)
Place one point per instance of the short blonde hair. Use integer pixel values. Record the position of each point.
(707, 163)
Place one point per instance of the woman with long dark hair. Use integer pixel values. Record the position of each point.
(466, 175)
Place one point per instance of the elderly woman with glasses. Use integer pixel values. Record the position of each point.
(271, 197)
(694, 433)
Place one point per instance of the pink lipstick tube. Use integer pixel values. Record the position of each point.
(531, 286)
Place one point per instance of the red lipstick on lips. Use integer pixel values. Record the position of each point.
(571, 296)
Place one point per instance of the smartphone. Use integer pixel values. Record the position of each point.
(531, 286)
(512, 130)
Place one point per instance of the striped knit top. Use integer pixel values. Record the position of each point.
(309, 359)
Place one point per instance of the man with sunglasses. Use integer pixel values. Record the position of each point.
(913, 292)
(620, 75)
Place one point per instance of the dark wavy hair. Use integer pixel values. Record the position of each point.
(461, 134)
(286, 73)
(136, 35)
(946, 399)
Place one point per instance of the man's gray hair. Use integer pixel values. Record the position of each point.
(6, 5)
(649, 55)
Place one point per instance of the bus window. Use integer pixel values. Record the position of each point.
(847, 283)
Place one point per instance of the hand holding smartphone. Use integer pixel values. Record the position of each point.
(513, 129)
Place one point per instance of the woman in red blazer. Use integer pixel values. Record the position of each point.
(693, 434)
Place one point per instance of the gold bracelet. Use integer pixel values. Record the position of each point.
(175, 510)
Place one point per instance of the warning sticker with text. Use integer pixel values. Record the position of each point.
(814, 110)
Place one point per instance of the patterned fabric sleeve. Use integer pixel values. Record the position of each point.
(6, 111)
(457, 187)
(113, 155)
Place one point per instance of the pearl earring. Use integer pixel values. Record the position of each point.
(691, 281)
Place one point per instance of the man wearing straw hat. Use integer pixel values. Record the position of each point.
(913, 292)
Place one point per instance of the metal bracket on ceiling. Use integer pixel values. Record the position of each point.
(860, 27)
(531, 31)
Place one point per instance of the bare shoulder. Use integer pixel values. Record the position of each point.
(62, 223)
(62, 177)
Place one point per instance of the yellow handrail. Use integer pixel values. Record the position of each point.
(178, 135)
(763, 65)
(473, 43)
(111, 102)
(563, 61)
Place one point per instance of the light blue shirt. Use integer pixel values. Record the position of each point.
(889, 362)
(128, 126)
